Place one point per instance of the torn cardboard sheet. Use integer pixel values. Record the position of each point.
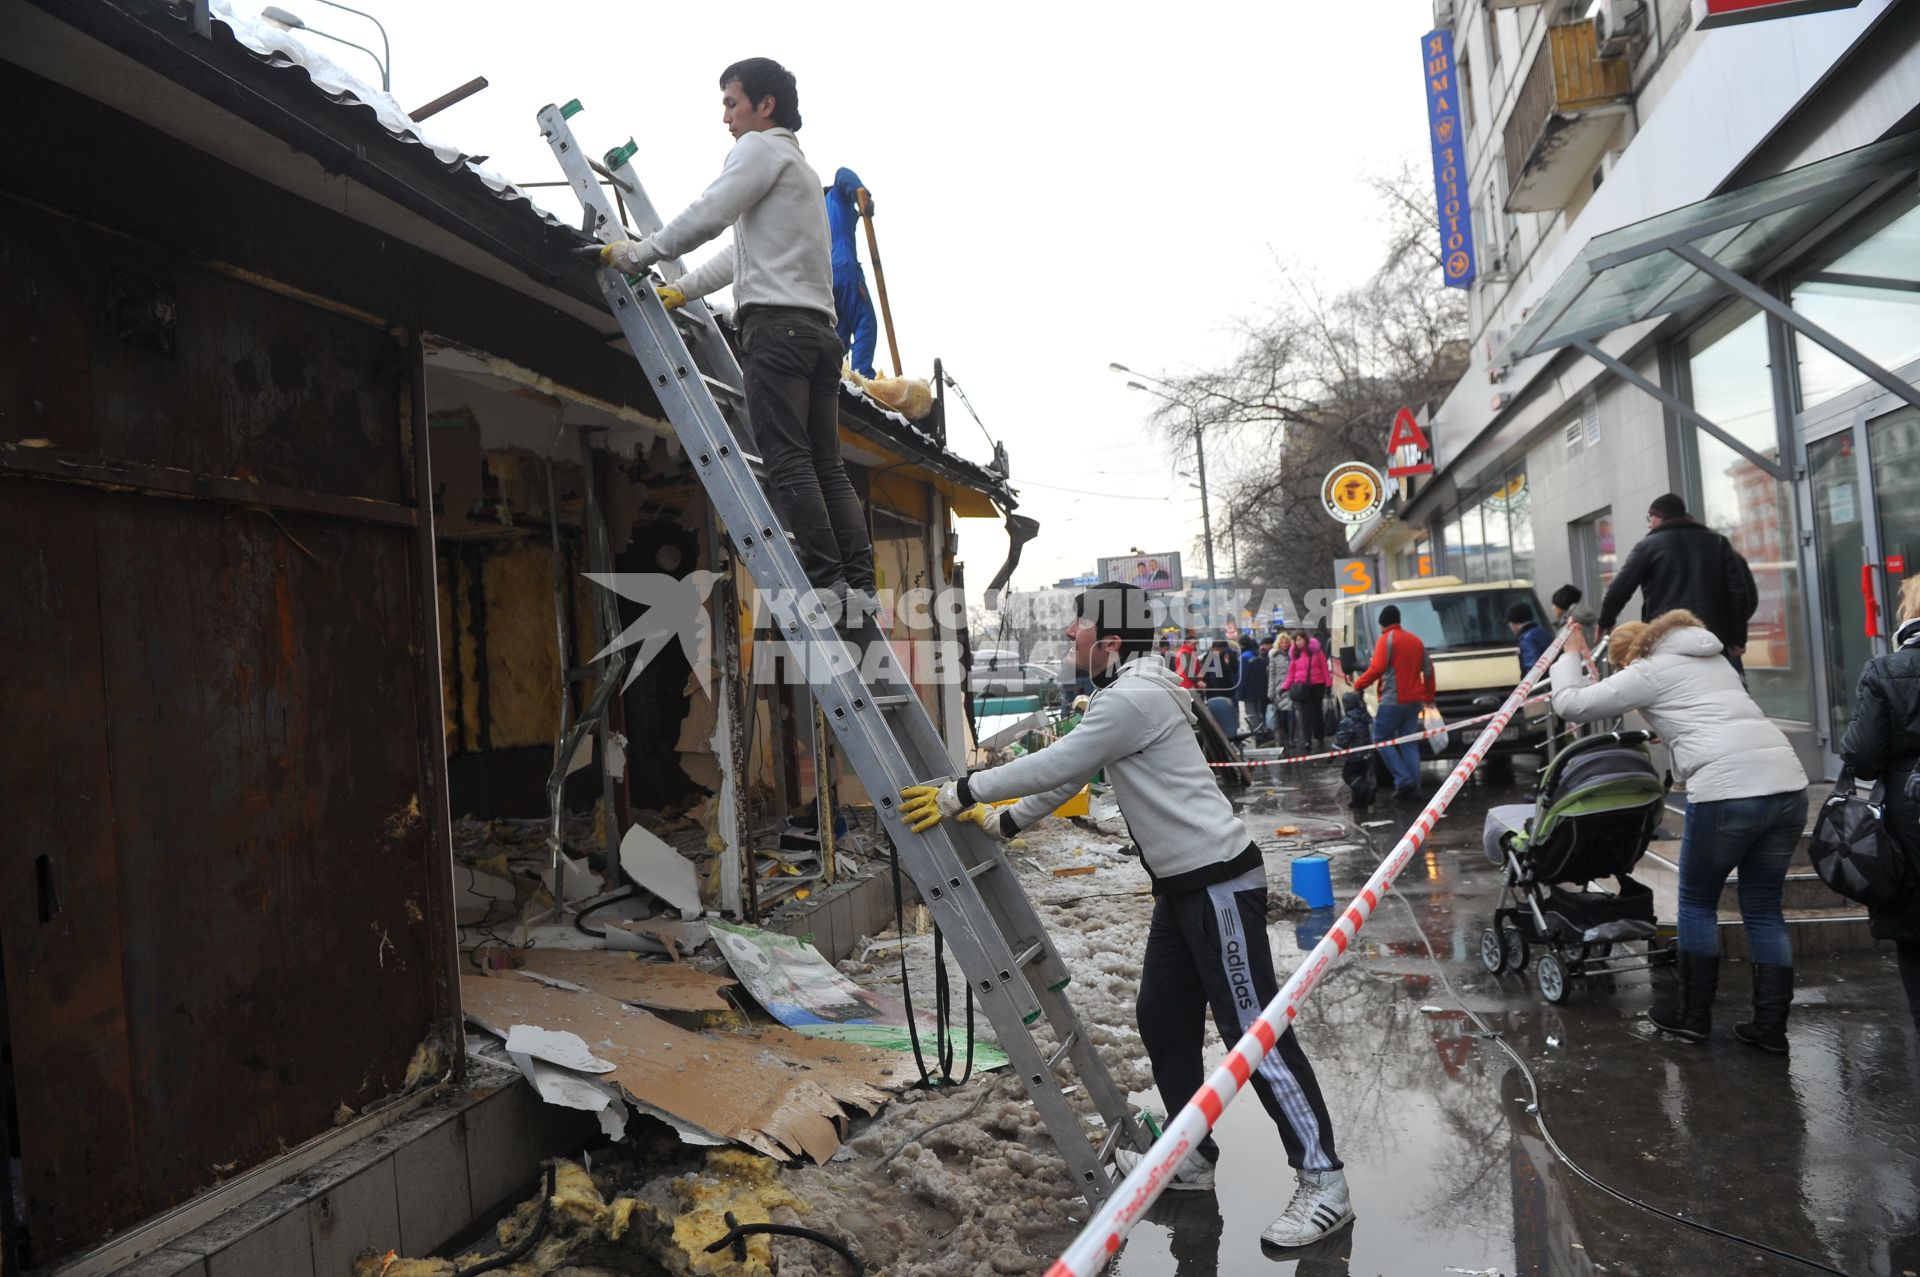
(802, 990)
(768, 1089)
(661, 870)
(663, 986)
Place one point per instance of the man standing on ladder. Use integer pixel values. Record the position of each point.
(1207, 944)
(782, 276)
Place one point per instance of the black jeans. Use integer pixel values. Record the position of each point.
(792, 368)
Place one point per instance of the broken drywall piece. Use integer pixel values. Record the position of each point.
(556, 1046)
(616, 756)
(572, 880)
(568, 1089)
(661, 870)
(613, 1119)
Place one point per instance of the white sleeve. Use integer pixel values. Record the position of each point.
(1578, 699)
(748, 174)
(710, 276)
(1112, 728)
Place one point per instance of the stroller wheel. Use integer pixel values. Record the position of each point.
(1493, 954)
(1516, 945)
(1552, 977)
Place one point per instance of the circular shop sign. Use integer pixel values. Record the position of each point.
(1353, 492)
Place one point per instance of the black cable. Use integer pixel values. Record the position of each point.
(580, 919)
(906, 989)
(527, 1243)
(1540, 1115)
(737, 1234)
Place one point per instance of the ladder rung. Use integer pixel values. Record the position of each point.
(1113, 1137)
(1029, 953)
(974, 871)
(1053, 1061)
(888, 702)
(720, 387)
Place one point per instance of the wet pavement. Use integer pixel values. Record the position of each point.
(1817, 1154)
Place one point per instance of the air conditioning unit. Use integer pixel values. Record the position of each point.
(1617, 25)
(1443, 13)
(1494, 266)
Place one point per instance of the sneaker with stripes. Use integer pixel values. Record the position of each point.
(1194, 1175)
(1320, 1205)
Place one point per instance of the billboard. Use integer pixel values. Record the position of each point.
(1148, 571)
(1708, 14)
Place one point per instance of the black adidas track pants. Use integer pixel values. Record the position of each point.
(1207, 947)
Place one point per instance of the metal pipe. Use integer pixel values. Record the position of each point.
(1680, 406)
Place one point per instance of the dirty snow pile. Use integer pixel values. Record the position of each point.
(965, 1182)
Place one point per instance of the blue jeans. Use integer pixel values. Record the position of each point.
(1756, 836)
(1403, 761)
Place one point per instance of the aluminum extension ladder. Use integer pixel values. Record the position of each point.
(1010, 962)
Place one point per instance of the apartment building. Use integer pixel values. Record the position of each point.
(1697, 270)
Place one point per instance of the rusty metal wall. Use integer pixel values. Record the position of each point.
(224, 888)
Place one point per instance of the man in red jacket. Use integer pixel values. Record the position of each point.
(1399, 666)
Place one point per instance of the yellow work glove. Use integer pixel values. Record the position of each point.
(629, 256)
(671, 297)
(924, 806)
(987, 817)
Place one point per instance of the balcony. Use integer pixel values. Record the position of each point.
(1565, 115)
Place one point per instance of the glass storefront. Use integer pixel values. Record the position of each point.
(1490, 536)
(1731, 385)
(1865, 290)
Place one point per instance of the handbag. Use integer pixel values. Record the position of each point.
(1855, 853)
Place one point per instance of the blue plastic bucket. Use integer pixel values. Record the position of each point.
(1313, 881)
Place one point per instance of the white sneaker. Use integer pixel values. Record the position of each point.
(1194, 1175)
(1320, 1206)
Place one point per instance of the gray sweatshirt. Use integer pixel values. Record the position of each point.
(1139, 729)
(781, 255)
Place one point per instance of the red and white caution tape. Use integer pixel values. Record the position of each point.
(1110, 1225)
(1426, 733)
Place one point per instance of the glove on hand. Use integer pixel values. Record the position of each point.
(629, 256)
(987, 817)
(924, 806)
(671, 297)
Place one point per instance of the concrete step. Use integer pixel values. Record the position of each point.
(1818, 921)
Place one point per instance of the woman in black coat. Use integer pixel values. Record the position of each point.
(1883, 743)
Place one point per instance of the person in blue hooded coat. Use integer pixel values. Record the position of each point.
(851, 304)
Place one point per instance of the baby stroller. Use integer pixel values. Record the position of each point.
(1598, 804)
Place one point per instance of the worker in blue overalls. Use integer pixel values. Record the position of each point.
(852, 306)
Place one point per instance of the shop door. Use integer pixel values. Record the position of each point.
(1866, 504)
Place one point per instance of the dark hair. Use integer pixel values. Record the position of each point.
(1390, 615)
(1520, 614)
(765, 78)
(1567, 596)
(1118, 609)
(1668, 506)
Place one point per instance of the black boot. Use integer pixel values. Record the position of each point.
(1688, 1013)
(1772, 995)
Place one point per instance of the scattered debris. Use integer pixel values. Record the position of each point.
(662, 870)
(661, 986)
(562, 1048)
(783, 1095)
(1074, 871)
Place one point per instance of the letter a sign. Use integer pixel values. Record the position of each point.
(1408, 434)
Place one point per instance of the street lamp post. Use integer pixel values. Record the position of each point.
(293, 22)
(1199, 456)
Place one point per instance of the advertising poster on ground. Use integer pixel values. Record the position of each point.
(802, 990)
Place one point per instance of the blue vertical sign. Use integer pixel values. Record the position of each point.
(1449, 137)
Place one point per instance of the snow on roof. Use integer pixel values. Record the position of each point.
(279, 45)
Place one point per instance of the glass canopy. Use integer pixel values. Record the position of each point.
(1628, 275)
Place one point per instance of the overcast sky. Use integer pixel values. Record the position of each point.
(1056, 186)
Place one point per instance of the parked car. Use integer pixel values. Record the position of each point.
(1000, 672)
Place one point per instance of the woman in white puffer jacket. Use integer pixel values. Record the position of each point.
(1746, 805)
